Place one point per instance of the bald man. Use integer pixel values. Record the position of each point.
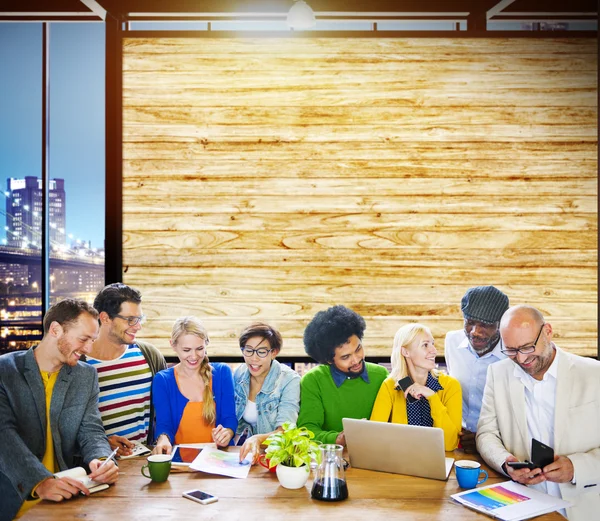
(542, 392)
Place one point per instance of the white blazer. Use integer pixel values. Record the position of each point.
(502, 426)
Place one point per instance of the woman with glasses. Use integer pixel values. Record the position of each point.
(267, 393)
(431, 399)
(194, 400)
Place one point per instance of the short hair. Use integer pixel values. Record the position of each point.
(66, 312)
(111, 297)
(330, 329)
(264, 331)
(404, 336)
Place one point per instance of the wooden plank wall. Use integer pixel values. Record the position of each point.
(267, 179)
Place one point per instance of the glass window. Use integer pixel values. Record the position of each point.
(20, 161)
(76, 172)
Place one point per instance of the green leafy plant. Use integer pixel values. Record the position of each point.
(292, 447)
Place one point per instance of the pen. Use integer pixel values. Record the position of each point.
(111, 457)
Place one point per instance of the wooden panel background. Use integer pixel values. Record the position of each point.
(267, 179)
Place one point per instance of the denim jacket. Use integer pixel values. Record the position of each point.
(277, 402)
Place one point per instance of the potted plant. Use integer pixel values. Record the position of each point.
(290, 451)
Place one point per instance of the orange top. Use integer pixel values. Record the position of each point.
(192, 427)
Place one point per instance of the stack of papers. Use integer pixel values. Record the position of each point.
(510, 501)
(216, 461)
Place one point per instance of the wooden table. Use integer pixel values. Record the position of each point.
(372, 495)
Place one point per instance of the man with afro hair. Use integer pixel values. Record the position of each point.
(344, 385)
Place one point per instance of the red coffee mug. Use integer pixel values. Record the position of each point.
(262, 460)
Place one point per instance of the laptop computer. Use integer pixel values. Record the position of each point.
(396, 448)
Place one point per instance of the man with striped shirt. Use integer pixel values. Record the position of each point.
(125, 366)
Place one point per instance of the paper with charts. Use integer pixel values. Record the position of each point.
(215, 461)
(510, 501)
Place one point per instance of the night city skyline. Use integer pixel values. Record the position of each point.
(76, 151)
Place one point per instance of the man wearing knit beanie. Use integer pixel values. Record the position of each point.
(471, 350)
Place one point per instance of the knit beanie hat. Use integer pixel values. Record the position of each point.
(485, 304)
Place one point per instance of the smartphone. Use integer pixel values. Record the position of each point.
(183, 456)
(404, 384)
(521, 465)
(200, 497)
(541, 454)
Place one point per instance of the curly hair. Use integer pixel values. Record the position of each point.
(330, 329)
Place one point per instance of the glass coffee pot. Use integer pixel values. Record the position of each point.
(330, 480)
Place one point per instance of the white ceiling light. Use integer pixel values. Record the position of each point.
(301, 16)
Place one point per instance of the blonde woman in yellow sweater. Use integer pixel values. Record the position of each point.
(437, 397)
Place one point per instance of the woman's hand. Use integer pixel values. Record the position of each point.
(252, 446)
(163, 445)
(418, 390)
(222, 436)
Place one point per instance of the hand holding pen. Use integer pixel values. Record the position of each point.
(105, 471)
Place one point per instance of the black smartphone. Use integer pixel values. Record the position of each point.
(521, 465)
(404, 384)
(541, 455)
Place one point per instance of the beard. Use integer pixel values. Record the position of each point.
(66, 349)
(354, 374)
(541, 363)
(489, 344)
(117, 338)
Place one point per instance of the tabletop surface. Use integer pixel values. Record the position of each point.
(372, 495)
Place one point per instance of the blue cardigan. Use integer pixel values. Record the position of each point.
(169, 403)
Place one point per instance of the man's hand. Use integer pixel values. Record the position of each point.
(58, 489)
(123, 444)
(341, 439)
(560, 470)
(109, 473)
(524, 476)
(467, 440)
(163, 445)
(222, 436)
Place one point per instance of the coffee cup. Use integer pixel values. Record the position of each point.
(159, 466)
(262, 460)
(468, 472)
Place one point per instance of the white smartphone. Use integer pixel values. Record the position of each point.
(200, 497)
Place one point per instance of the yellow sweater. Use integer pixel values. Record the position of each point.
(446, 407)
(49, 461)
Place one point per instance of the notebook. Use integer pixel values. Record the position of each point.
(79, 474)
(138, 450)
(396, 448)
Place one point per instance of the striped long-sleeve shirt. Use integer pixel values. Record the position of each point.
(124, 401)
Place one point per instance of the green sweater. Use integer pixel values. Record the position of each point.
(323, 405)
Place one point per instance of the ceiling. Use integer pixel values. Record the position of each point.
(40, 9)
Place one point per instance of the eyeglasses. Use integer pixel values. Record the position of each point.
(247, 351)
(525, 350)
(133, 321)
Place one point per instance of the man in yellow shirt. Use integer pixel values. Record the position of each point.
(36, 444)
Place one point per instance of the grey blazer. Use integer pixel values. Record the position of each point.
(74, 420)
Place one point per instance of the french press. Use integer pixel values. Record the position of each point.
(330, 480)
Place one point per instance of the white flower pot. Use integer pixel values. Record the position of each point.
(292, 477)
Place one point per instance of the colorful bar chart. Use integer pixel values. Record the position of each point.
(493, 498)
